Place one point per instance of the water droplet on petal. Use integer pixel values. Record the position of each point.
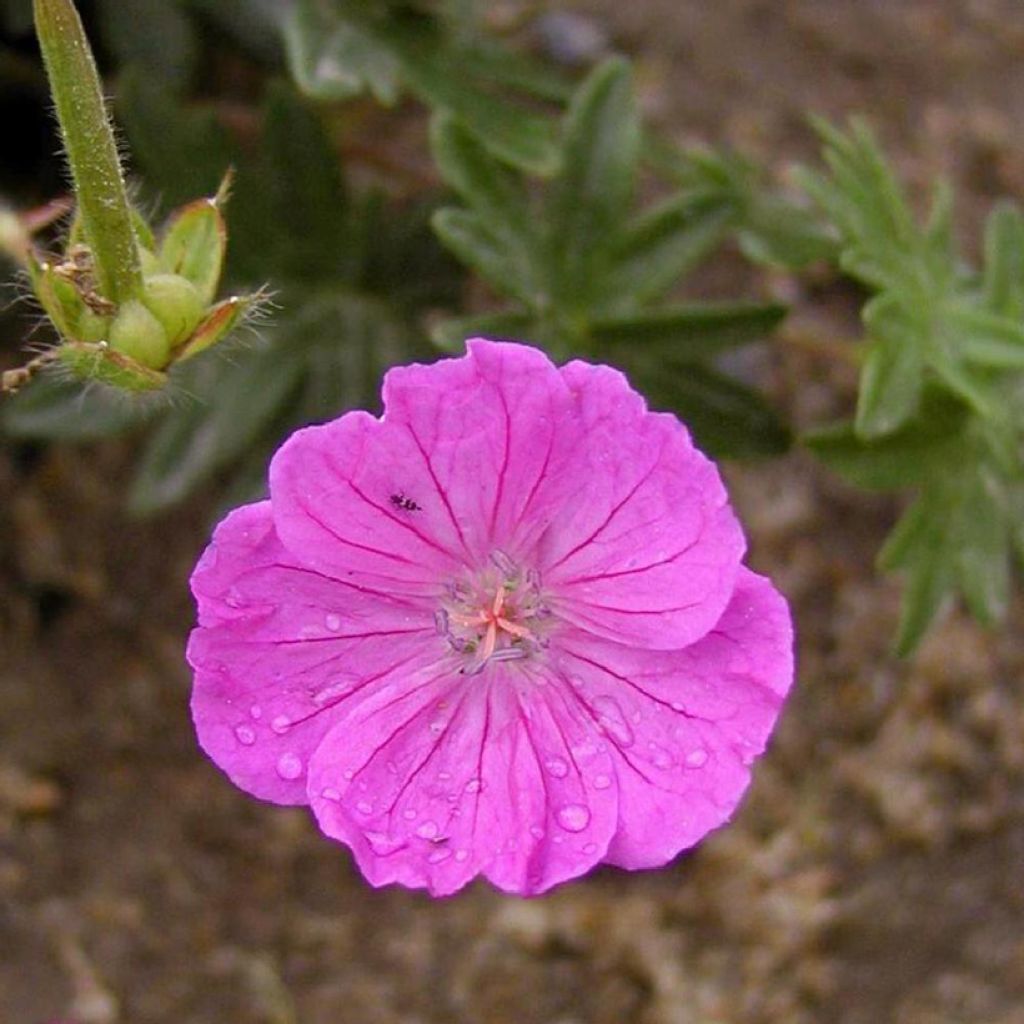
(256, 712)
(280, 724)
(409, 813)
(245, 735)
(590, 848)
(289, 767)
(330, 793)
(332, 692)
(444, 776)
(474, 785)
(574, 817)
(602, 781)
(461, 855)
(428, 830)
(612, 720)
(233, 599)
(557, 767)
(536, 831)
(439, 855)
(660, 757)
(364, 807)
(696, 758)
(333, 622)
(437, 726)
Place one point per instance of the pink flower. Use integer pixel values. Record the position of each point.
(502, 630)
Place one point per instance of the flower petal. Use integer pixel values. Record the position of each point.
(279, 648)
(647, 553)
(685, 725)
(498, 435)
(458, 776)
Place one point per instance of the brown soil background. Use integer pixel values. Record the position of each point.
(873, 874)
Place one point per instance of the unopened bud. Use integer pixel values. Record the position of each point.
(176, 303)
(136, 333)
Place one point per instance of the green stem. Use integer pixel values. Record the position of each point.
(92, 152)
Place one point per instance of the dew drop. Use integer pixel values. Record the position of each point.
(696, 758)
(557, 767)
(347, 774)
(660, 757)
(364, 807)
(437, 726)
(233, 598)
(409, 813)
(428, 830)
(444, 776)
(330, 793)
(461, 855)
(280, 724)
(256, 712)
(289, 767)
(536, 831)
(474, 785)
(333, 622)
(439, 855)
(602, 781)
(329, 693)
(245, 735)
(612, 720)
(590, 848)
(573, 817)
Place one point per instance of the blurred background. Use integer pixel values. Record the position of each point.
(873, 872)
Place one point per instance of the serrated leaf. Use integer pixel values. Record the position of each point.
(599, 160)
(690, 333)
(728, 420)
(492, 189)
(465, 233)
(982, 553)
(663, 244)
(898, 460)
(333, 58)
(891, 382)
(1004, 261)
(231, 406)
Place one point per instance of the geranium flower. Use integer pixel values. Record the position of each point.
(503, 630)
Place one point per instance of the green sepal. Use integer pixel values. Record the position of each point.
(222, 319)
(101, 363)
(194, 246)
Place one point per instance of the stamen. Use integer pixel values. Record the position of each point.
(441, 622)
(509, 654)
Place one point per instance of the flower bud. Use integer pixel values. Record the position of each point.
(176, 303)
(138, 334)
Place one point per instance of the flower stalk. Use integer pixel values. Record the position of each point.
(103, 206)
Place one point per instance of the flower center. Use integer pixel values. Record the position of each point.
(496, 614)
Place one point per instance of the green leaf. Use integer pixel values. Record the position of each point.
(983, 564)
(465, 234)
(332, 58)
(1004, 261)
(898, 460)
(511, 133)
(599, 159)
(892, 378)
(665, 243)
(728, 420)
(989, 339)
(492, 189)
(690, 333)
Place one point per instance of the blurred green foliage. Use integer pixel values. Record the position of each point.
(528, 224)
